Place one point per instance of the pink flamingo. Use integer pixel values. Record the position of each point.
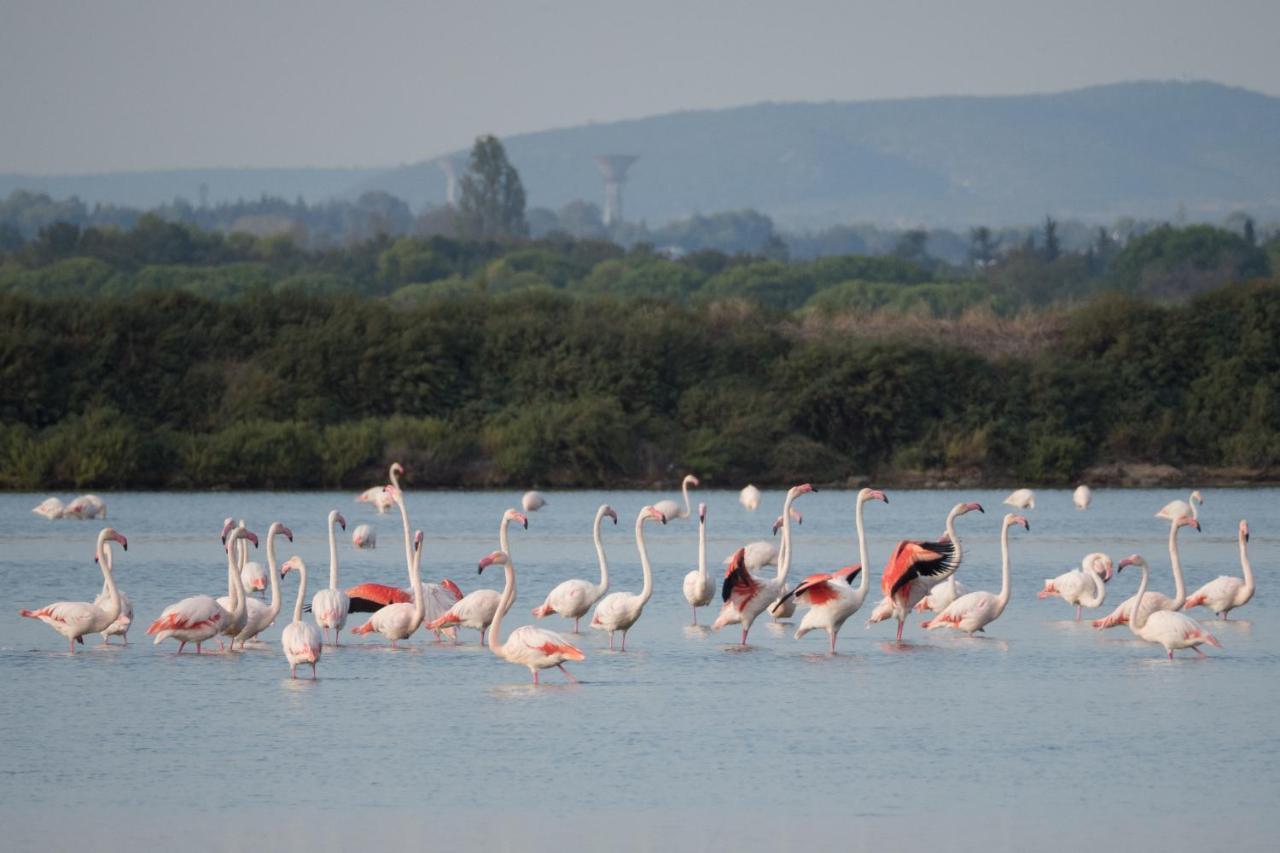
(1153, 601)
(198, 618)
(572, 599)
(1083, 587)
(1168, 628)
(74, 619)
(477, 608)
(973, 612)
(917, 567)
(528, 646)
(619, 611)
(300, 641)
(398, 621)
(1225, 593)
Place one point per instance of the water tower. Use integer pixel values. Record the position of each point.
(613, 168)
(454, 168)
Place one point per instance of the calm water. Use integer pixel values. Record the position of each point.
(1045, 734)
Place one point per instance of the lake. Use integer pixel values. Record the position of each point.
(1045, 735)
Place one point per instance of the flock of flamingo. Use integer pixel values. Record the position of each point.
(920, 575)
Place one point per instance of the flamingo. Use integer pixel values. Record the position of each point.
(233, 603)
(618, 611)
(398, 621)
(749, 497)
(1082, 496)
(377, 495)
(573, 598)
(121, 625)
(746, 596)
(831, 597)
(330, 606)
(784, 606)
(974, 612)
(917, 567)
(533, 501)
(1022, 499)
(364, 537)
(74, 619)
(1225, 593)
(300, 641)
(1083, 587)
(669, 508)
(50, 508)
(698, 588)
(477, 608)
(1168, 628)
(535, 648)
(941, 596)
(259, 616)
(196, 619)
(253, 577)
(1177, 509)
(1153, 601)
(86, 506)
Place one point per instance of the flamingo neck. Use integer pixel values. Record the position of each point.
(951, 533)
(863, 582)
(1245, 567)
(1136, 611)
(404, 519)
(647, 589)
(784, 559)
(503, 543)
(1099, 586)
(684, 490)
(108, 582)
(274, 609)
(702, 550)
(302, 591)
(1003, 598)
(504, 604)
(604, 563)
(333, 552)
(1193, 502)
(1179, 590)
(235, 564)
(419, 598)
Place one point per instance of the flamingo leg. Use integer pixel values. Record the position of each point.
(695, 616)
(624, 641)
(313, 670)
(610, 641)
(72, 641)
(1170, 654)
(568, 674)
(293, 670)
(744, 637)
(833, 642)
(1077, 612)
(1202, 654)
(899, 631)
(337, 640)
(535, 676)
(575, 623)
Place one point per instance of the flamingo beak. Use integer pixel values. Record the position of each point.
(124, 543)
(252, 537)
(342, 522)
(287, 533)
(523, 519)
(878, 495)
(1026, 524)
(1127, 561)
(226, 528)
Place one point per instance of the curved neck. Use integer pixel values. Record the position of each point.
(863, 582)
(604, 563)
(504, 604)
(684, 490)
(1137, 612)
(333, 552)
(274, 577)
(302, 591)
(647, 589)
(1245, 567)
(1003, 598)
(951, 533)
(1099, 587)
(1179, 591)
(1191, 501)
(108, 582)
(503, 543)
(408, 536)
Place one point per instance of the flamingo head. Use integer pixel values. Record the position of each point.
(970, 507)
(227, 524)
(417, 540)
(1131, 560)
(111, 535)
(337, 518)
(397, 470)
(293, 564)
(516, 515)
(497, 558)
(1197, 497)
(737, 561)
(1104, 562)
(1244, 530)
(250, 535)
(872, 495)
(795, 516)
(1187, 521)
(280, 529)
(691, 480)
(608, 510)
(802, 489)
(702, 513)
(1011, 519)
(649, 513)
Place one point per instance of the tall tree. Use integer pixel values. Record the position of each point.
(1052, 248)
(491, 203)
(982, 246)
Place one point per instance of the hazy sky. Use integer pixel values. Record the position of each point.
(96, 86)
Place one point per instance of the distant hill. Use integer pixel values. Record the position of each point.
(1141, 149)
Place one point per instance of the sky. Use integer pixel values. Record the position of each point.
(131, 85)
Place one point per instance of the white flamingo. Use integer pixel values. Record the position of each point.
(746, 596)
(378, 495)
(1082, 496)
(330, 606)
(436, 598)
(398, 621)
(532, 501)
(198, 618)
(120, 627)
(364, 537)
(1153, 601)
(50, 508)
(749, 497)
(477, 608)
(698, 588)
(618, 611)
(1022, 499)
(670, 509)
(300, 641)
(1177, 509)
(233, 603)
(831, 597)
(258, 616)
(86, 506)
(74, 619)
(572, 599)
(1166, 627)
(536, 648)
(1083, 587)
(973, 612)
(941, 596)
(1225, 593)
